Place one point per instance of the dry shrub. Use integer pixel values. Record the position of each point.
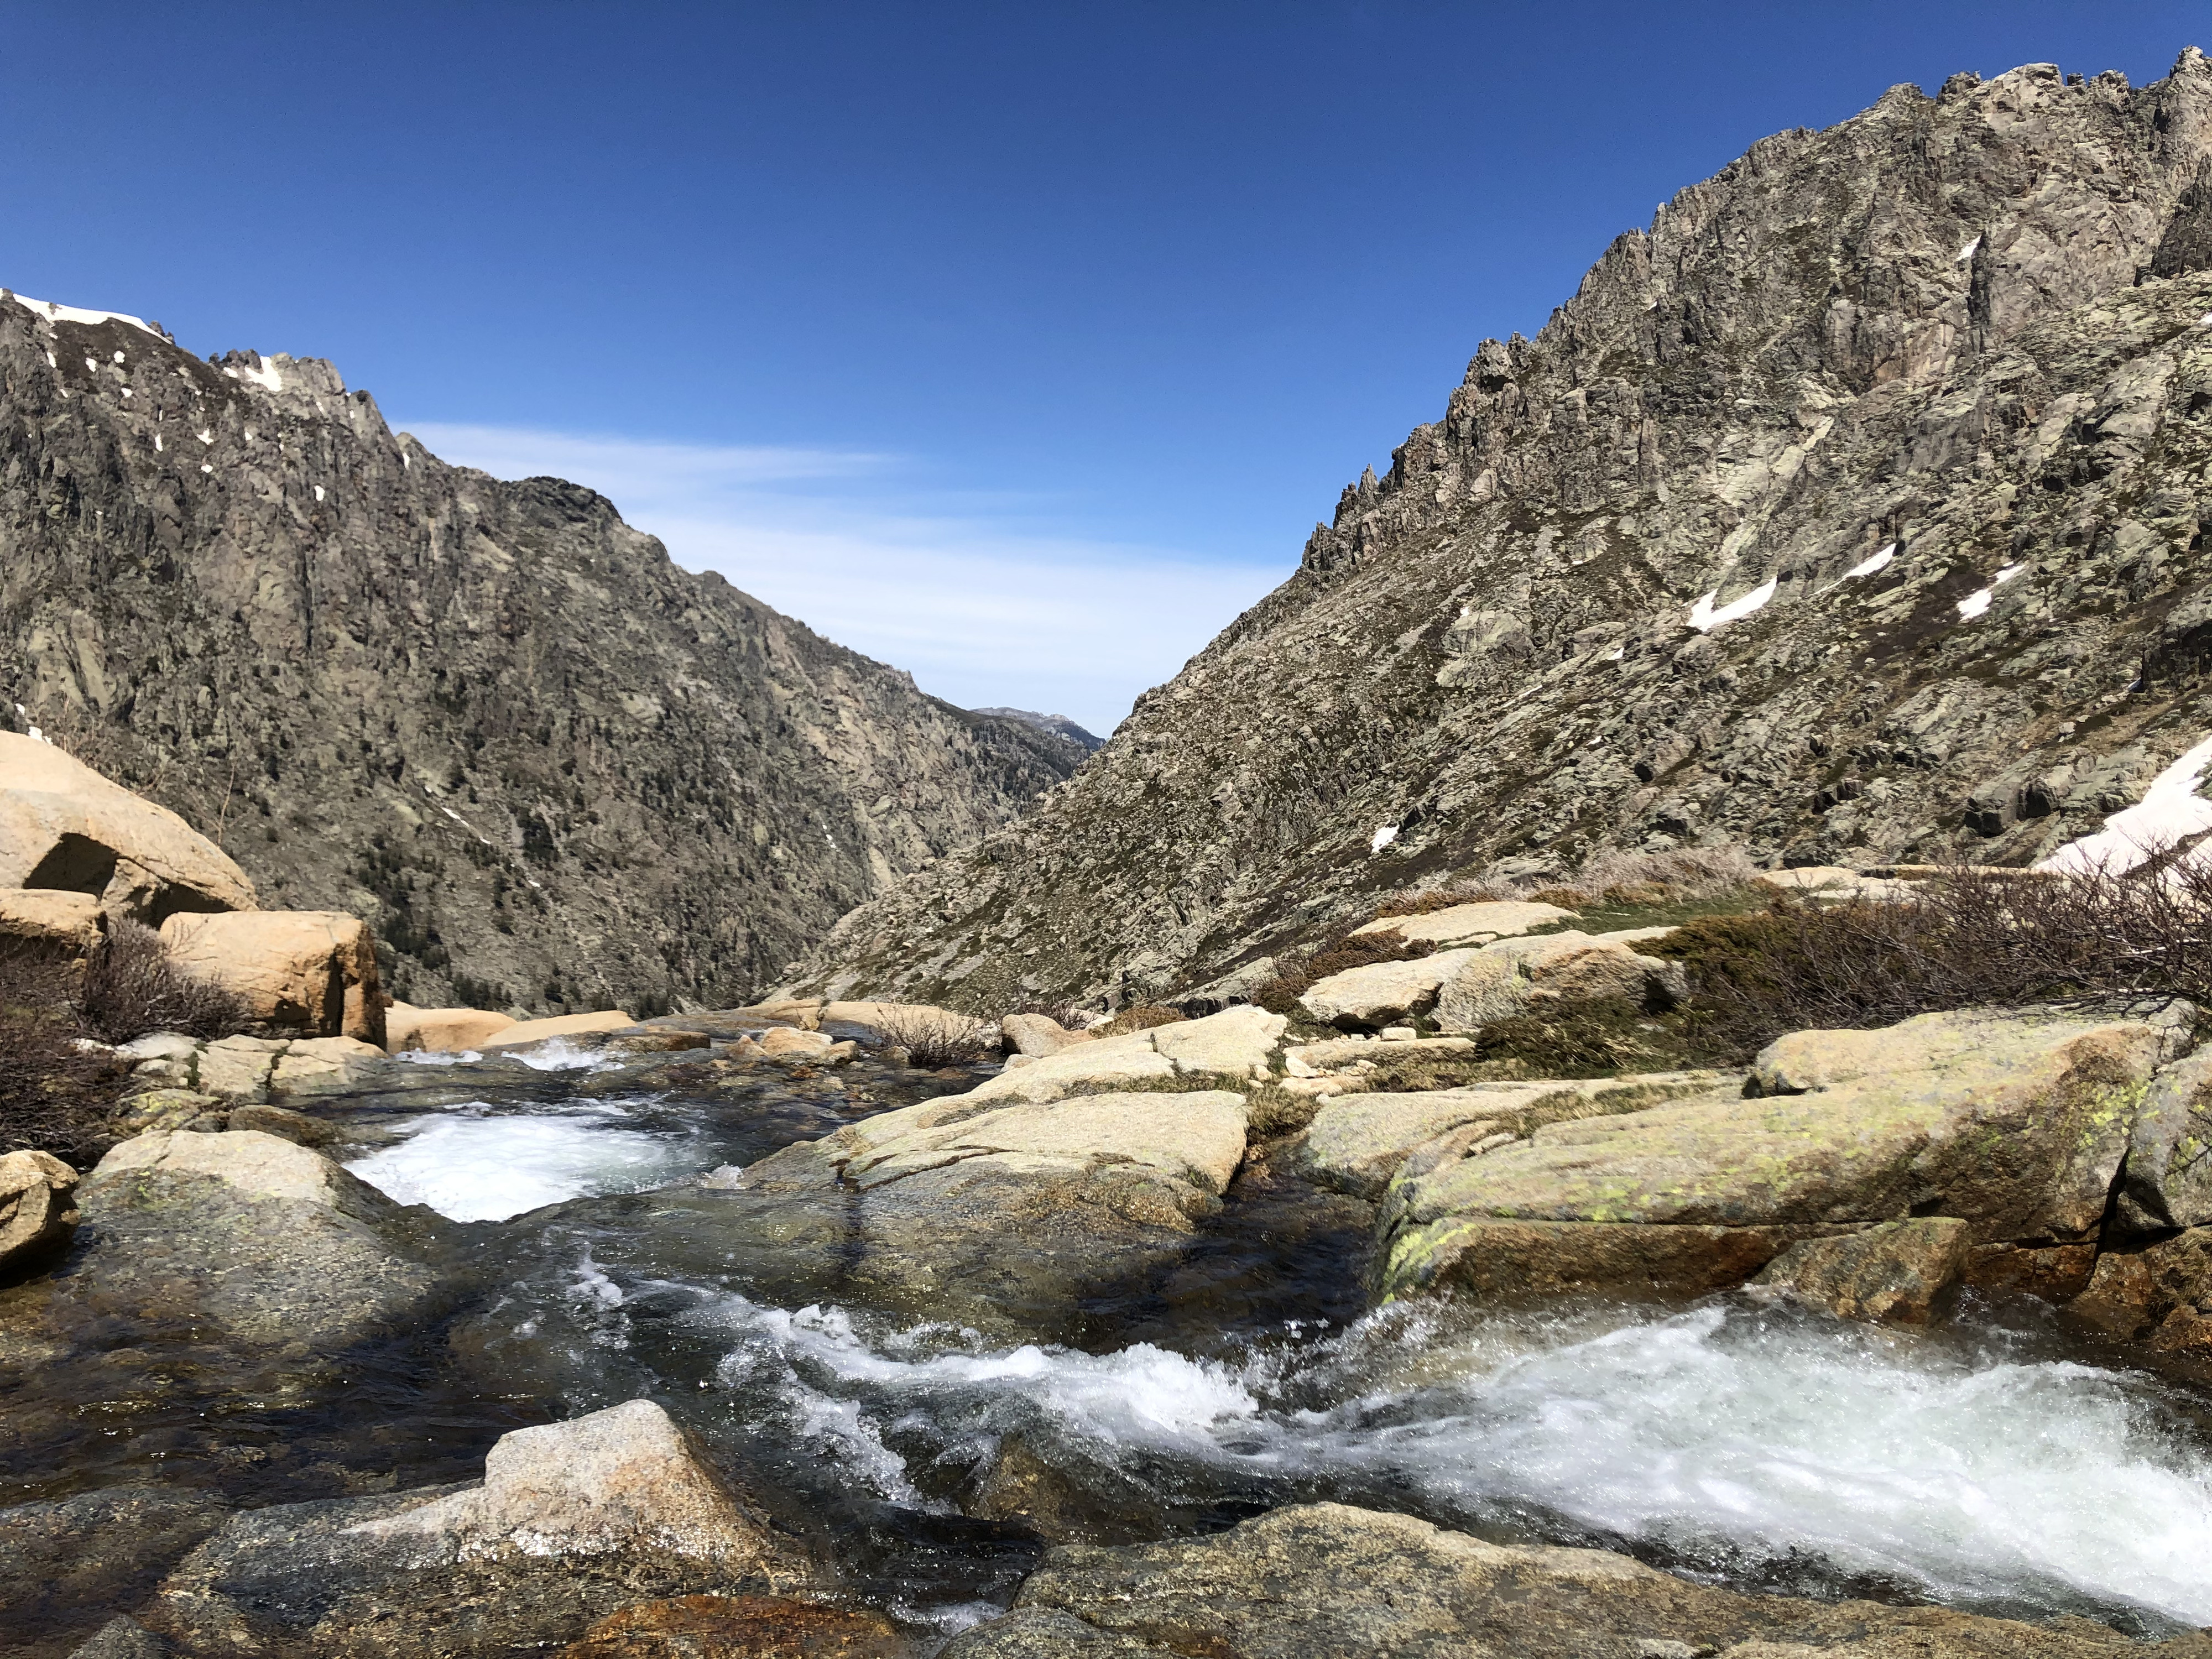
(54, 1096)
(1965, 940)
(1685, 876)
(1068, 1016)
(1444, 898)
(934, 1039)
(132, 986)
(1141, 1017)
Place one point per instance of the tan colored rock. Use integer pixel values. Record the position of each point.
(36, 1207)
(738, 1627)
(2015, 1124)
(236, 1068)
(319, 1064)
(789, 1042)
(1038, 1035)
(557, 1025)
(162, 1109)
(597, 1484)
(1237, 1043)
(64, 826)
(872, 1015)
(1809, 879)
(70, 923)
(1891, 1272)
(1382, 992)
(253, 1165)
(311, 973)
(1469, 924)
(806, 1012)
(440, 1031)
(1515, 976)
(295, 1126)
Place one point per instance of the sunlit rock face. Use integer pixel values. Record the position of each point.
(1849, 511)
(549, 769)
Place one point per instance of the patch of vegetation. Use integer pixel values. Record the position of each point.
(1141, 1017)
(1335, 953)
(1601, 1038)
(933, 1040)
(55, 1097)
(132, 986)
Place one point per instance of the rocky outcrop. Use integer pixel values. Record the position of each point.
(2014, 1125)
(571, 1521)
(268, 1242)
(70, 1563)
(1514, 976)
(490, 718)
(248, 1068)
(1380, 993)
(1322, 1580)
(1469, 924)
(740, 1627)
(1851, 510)
(308, 973)
(66, 829)
(439, 1030)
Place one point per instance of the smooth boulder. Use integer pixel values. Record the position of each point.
(523, 1031)
(267, 1241)
(63, 923)
(1515, 975)
(440, 1031)
(1039, 1035)
(304, 973)
(571, 1521)
(1235, 1046)
(1892, 1272)
(64, 827)
(2014, 1123)
(37, 1203)
(1380, 993)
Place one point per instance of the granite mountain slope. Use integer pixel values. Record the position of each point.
(551, 768)
(1855, 511)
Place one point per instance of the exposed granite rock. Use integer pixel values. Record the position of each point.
(2014, 1124)
(68, 1565)
(36, 1205)
(1324, 1580)
(1515, 974)
(571, 1521)
(1467, 924)
(1893, 1272)
(1382, 992)
(1912, 346)
(305, 973)
(490, 718)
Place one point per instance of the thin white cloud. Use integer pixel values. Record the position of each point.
(982, 608)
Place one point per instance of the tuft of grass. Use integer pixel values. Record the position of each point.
(1142, 1018)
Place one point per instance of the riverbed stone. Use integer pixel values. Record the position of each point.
(1237, 1045)
(1319, 1581)
(1380, 993)
(67, 1564)
(321, 1066)
(571, 1521)
(2167, 1183)
(2014, 1123)
(36, 1206)
(271, 1242)
(1893, 1272)
(740, 1627)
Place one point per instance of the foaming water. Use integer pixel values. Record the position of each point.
(1753, 1446)
(560, 1054)
(486, 1167)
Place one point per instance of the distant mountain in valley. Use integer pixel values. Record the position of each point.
(1060, 723)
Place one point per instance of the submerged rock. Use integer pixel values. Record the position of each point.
(570, 1521)
(1321, 1581)
(68, 1564)
(2016, 1124)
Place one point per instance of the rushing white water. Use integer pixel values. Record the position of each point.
(1719, 1436)
(474, 1167)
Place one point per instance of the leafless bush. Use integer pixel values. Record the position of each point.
(55, 1097)
(1068, 1016)
(132, 986)
(1966, 940)
(932, 1038)
(1444, 898)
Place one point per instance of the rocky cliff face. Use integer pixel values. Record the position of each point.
(1853, 511)
(548, 767)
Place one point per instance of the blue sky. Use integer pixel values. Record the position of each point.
(1020, 345)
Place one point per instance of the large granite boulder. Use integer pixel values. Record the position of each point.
(1321, 1581)
(1515, 976)
(56, 923)
(440, 1031)
(2015, 1124)
(64, 828)
(1380, 993)
(1469, 924)
(1235, 1046)
(2167, 1183)
(570, 1521)
(1000, 1212)
(305, 973)
(524, 1031)
(267, 1243)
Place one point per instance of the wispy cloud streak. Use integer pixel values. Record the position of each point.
(967, 592)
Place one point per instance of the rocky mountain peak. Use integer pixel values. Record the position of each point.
(1850, 510)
